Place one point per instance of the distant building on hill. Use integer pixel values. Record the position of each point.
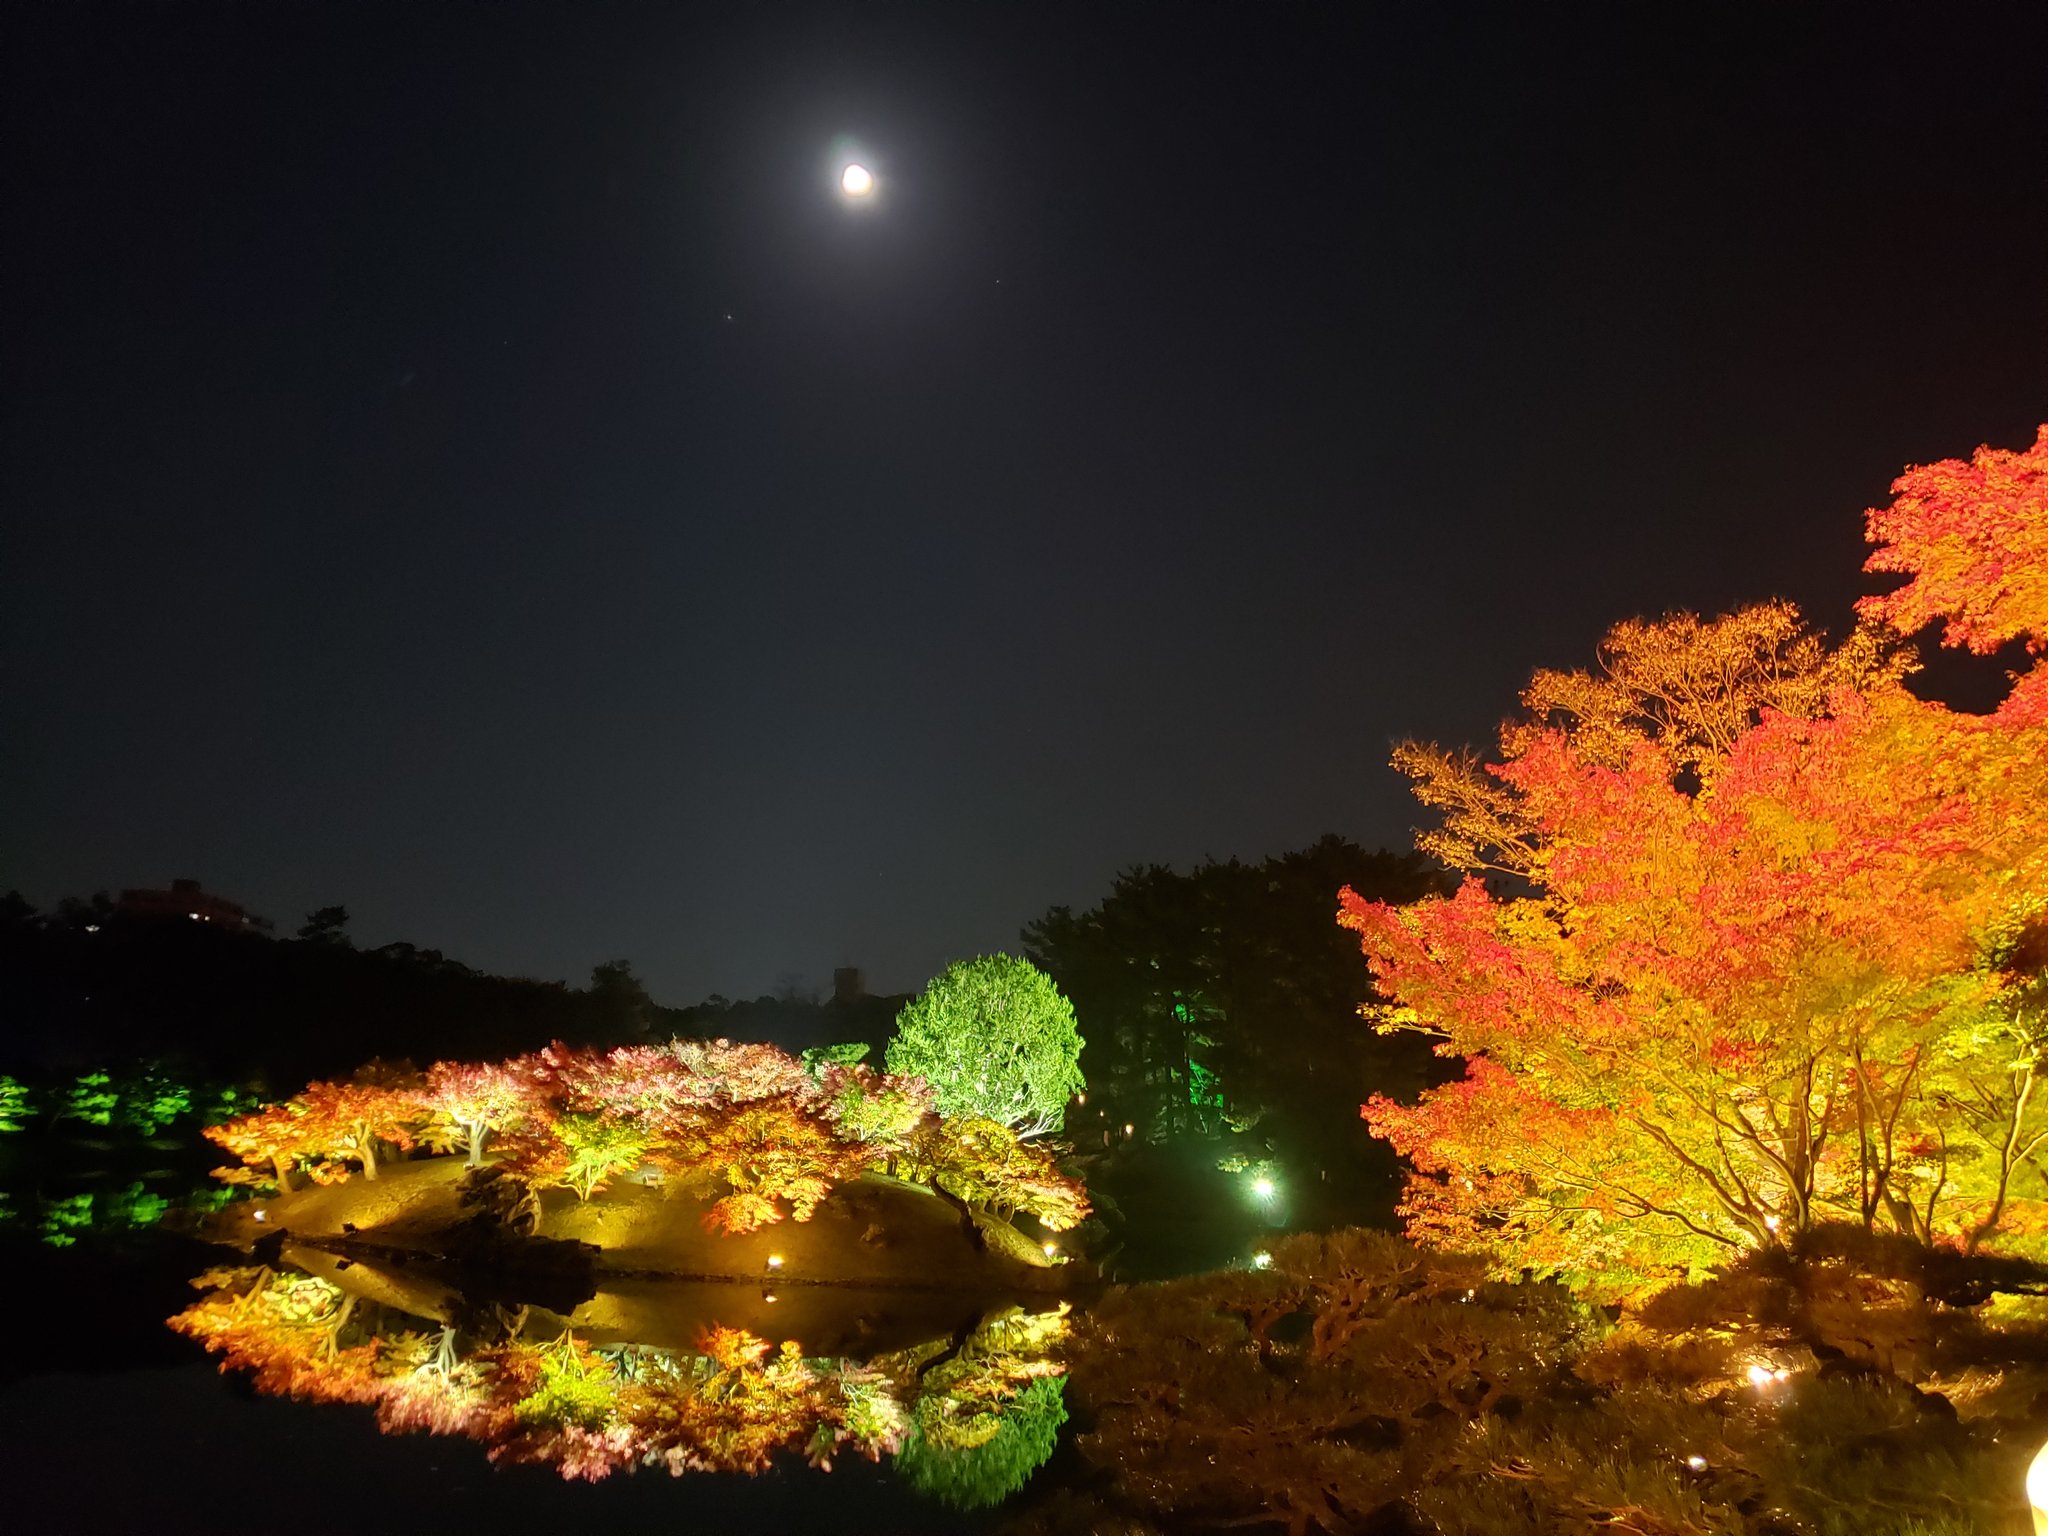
(848, 985)
(185, 899)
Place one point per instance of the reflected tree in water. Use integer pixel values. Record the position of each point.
(1361, 1383)
(735, 1405)
(986, 1472)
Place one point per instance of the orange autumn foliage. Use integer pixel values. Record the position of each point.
(1745, 981)
(321, 1130)
(745, 1117)
(768, 1151)
(736, 1404)
(1974, 538)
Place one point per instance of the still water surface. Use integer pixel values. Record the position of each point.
(110, 1421)
(162, 1440)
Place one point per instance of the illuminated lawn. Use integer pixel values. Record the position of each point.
(873, 1231)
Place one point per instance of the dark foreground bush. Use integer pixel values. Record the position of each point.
(1362, 1385)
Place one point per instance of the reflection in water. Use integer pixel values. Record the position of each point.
(985, 1460)
(112, 1208)
(968, 1417)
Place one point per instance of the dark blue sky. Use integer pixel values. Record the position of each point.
(1213, 395)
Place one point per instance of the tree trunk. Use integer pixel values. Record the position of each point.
(2009, 1155)
(967, 1222)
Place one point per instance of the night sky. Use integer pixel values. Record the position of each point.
(469, 463)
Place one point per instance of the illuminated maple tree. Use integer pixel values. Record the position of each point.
(271, 1138)
(753, 1401)
(748, 1120)
(738, 1073)
(1742, 981)
(768, 1151)
(347, 1122)
(640, 1080)
(323, 1130)
(591, 1115)
(876, 1110)
(477, 1098)
(988, 1165)
(584, 1149)
(1973, 535)
(284, 1328)
(1680, 690)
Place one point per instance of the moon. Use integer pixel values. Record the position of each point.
(856, 181)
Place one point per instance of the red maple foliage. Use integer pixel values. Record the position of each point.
(768, 1151)
(1973, 535)
(478, 1098)
(748, 1119)
(1743, 984)
(323, 1130)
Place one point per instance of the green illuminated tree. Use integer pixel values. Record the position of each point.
(591, 1148)
(135, 1206)
(151, 1099)
(576, 1387)
(995, 1039)
(1218, 999)
(65, 1217)
(13, 1104)
(819, 1057)
(92, 1099)
(983, 1473)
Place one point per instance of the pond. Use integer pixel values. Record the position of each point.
(1351, 1382)
(938, 1419)
(931, 1404)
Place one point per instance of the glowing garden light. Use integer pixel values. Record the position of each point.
(775, 1261)
(2037, 1490)
(1262, 1260)
(1697, 1463)
(1263, 1188)
(857, 181)
(1050, 1249)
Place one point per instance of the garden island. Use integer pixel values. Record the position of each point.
(609, 1240)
